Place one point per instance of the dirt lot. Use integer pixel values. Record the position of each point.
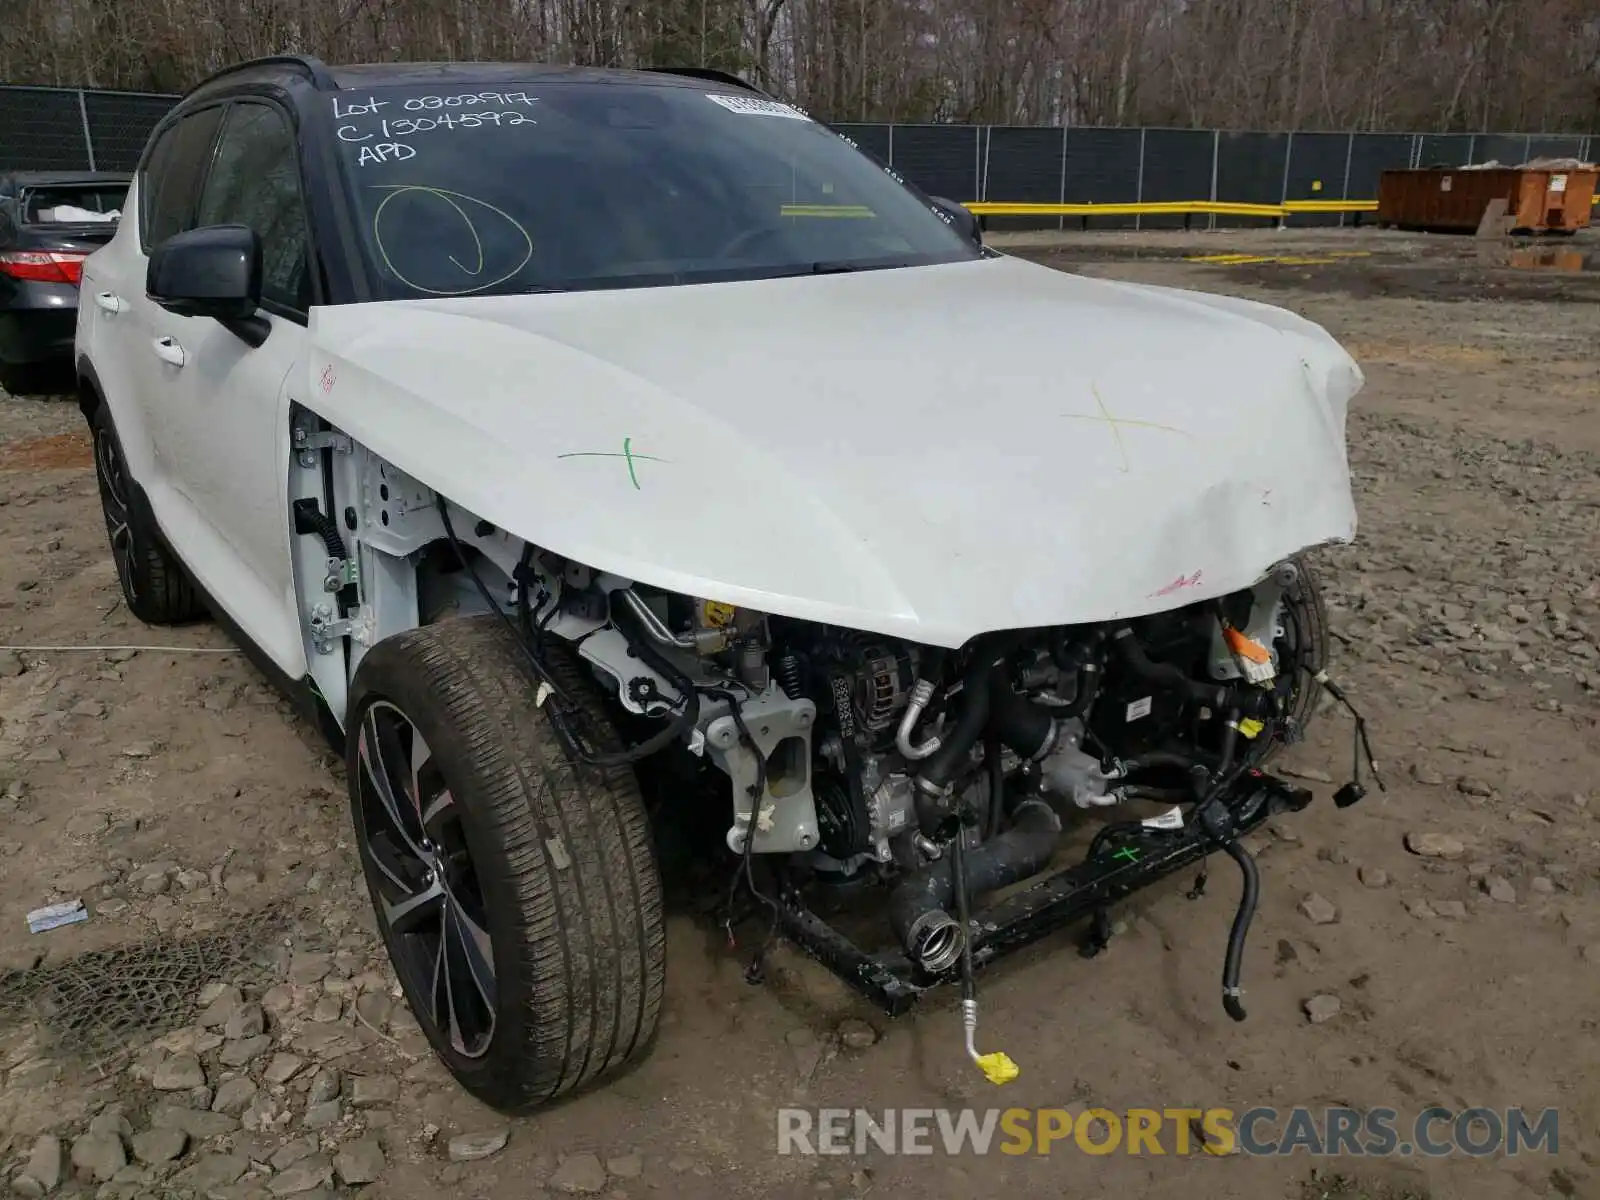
(207, 832)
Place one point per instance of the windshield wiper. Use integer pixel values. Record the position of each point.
(826, 267)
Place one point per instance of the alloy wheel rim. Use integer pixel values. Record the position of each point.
(114, 494)
(426, 883)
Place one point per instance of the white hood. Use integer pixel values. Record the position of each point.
(923, 452)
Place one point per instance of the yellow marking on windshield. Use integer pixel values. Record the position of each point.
(450, 198)
(825, 210)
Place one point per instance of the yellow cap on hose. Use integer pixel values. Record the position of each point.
(997, 1067)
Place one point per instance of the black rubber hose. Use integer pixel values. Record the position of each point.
(1088, 689)
(1019, 852)
(940, 766)
(1165, 674)
(1233, 963)
(996, 768)
(1230, 741)
(1025, 727)
(1081, 659)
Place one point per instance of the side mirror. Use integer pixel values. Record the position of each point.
(214, 271)
(962, 218)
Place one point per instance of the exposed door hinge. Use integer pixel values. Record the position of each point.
(327, 632)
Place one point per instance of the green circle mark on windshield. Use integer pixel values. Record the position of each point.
(455, 200)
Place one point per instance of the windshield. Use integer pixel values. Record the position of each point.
(566, 185)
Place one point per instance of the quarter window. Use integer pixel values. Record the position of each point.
(255, 181)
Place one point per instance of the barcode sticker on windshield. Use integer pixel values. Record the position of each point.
(752, 106)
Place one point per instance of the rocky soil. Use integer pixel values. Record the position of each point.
(1438, 943)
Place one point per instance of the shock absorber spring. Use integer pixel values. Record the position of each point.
(789, 676)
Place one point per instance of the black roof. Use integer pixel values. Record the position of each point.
(360, 75)
(466, 74)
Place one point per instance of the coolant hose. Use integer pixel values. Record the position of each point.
(1165, 674)
(1233, 962)
(1230, 742)
(1028, 728)
(919, 906)
(1082, 661)
(940, 767)
(996, 768)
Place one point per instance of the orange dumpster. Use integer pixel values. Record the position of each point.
(1538, 200)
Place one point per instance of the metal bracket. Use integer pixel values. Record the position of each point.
(307, 443)
(342, 573)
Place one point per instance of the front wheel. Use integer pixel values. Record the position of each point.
(516, 892)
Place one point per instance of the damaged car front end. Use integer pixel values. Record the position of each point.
(652, 477)
(974, 800)
(950, 687)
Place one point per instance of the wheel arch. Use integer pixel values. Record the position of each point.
(91, 395)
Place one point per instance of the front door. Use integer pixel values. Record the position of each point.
(221, 418)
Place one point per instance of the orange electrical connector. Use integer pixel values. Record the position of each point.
(1253, 659)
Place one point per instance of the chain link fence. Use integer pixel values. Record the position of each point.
(80, 129)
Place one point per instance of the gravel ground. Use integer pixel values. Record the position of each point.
(225, 1023)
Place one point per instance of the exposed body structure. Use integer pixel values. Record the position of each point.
(922, 568)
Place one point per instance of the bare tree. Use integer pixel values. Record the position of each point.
(1442, 65)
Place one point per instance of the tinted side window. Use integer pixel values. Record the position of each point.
(171, 179)
(255, 181)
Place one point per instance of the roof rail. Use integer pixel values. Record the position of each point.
(710, 74)
(314, 68)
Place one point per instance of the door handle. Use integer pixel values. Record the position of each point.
(108, 302)
(168, 351)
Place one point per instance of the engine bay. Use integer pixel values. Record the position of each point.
(926, 779)
(865, 745)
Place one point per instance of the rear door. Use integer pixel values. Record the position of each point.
(219, 415)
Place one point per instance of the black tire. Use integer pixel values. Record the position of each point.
(567, 886)
(1303, 649)
(154, 585)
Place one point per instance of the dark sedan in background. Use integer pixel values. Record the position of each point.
(50, 221)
